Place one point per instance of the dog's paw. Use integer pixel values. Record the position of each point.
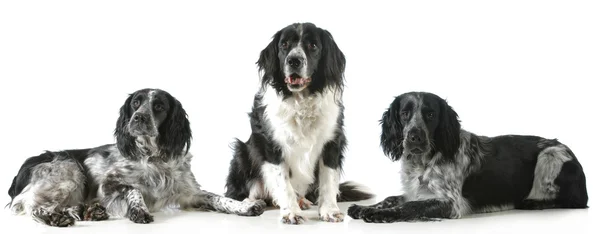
(138, 215)
(95, 212)
(377, 216)
(255, 208)
(304, 203)
(53, 219)
(332, 216)
(292, 218)
(75, 211)
(356, 211)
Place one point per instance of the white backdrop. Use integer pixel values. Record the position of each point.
(509, 67)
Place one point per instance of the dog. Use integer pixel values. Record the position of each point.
(146, 170)
(448, 172)
(293, 157)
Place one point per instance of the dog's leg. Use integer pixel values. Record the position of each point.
(356, 211)
(211, 201)
(95, 212)
(137, 211)
(278, 184)
(329, 180)
(55, 219)
(304, 203)
(427, 210)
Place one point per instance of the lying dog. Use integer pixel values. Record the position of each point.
(148, 169)
(448, 172)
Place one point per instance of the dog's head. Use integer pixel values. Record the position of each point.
(419, 124)
(301, 57)
(152, 122)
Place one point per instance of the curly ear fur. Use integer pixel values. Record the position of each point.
(175, 133)
(392, 131)
(268, 62)
(447, 134)
(125, 142)
(332, 64)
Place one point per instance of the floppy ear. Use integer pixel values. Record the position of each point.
(269, 61)
(391, 131)
(447, 134)
(175, 133)
(333, 61)
(125, 142)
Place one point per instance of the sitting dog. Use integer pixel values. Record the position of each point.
(294, 155)
(448, 172)
(146, 170)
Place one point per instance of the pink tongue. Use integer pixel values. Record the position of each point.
(291, 80)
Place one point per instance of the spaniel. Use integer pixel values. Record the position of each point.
(293, 158)
(448, 172)
(146, 170)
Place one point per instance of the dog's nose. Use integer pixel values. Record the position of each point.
(415, 136)
(295, 62)
(141, 118)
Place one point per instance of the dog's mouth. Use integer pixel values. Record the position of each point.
(417, 151)
(295, 81)
(141, 130)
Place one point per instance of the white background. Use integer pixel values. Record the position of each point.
(507, 67)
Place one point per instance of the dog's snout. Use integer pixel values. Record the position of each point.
(415, 136)
(140, 117)
(295, 62)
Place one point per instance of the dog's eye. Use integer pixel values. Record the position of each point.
(429, 115)
(284, 45)
(159, 107)
(136, 103)
(312, 46)
(404, 114)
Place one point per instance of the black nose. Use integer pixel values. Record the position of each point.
(415, 136)
(140, 117)
(295, 62)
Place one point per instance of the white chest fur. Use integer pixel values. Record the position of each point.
(301, 125)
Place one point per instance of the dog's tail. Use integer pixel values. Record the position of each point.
(352, 191)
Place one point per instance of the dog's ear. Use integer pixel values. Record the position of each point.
(125, 142)
(392, 131)
(333, 61)
(447, 133)
(175, 133)
(268, 62)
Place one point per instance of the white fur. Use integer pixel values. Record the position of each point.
(329, 180)
(547, 168)
(301, 125)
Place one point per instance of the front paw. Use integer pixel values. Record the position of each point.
(292, 218)
(95, 212)
(256, 208)
(377, 216)
(138, 215)
(356, 211)
(332, 216)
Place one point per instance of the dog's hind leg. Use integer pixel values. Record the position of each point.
(558, 181)
(93, 212)
(54, 190)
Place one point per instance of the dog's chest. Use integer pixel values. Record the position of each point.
(421, 182)
(301, 126)
(153, 176)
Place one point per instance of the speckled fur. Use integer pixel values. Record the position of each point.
(147, 170)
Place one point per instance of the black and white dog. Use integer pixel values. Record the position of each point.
(295, 153)
(148, 169)
(448, 172)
